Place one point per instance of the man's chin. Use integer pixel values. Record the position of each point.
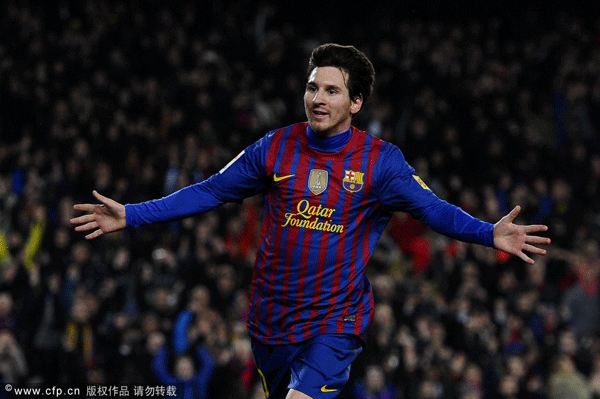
(318, 128)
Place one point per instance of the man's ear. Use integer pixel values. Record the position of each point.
(356, 104)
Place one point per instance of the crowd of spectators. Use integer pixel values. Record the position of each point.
(137, 100)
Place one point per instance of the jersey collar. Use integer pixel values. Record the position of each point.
(329, 144)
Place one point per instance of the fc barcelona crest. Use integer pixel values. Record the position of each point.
(317, 181)
(353, 181)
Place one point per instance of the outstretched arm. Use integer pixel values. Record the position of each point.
(106, 217)
(244, 176)
(515, 239)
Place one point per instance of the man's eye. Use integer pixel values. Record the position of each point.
(332, 91)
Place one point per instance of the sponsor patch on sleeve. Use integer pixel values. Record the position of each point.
(232, 161)
(421, 182)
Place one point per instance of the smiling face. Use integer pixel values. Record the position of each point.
(327, 101)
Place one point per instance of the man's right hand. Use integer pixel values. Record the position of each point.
(106, 217)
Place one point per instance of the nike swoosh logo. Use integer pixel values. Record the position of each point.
(280, 178)
(325, 389)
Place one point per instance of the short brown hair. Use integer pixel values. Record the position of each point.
(361, 74)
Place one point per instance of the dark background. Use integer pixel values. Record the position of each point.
(494, 104)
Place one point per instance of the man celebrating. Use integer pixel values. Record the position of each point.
(330, 189)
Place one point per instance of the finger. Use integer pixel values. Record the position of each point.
(102, 198)
(534, 250)
(84, 207)
(514, 213)
(82, 219)
(93, 235)
(524, 257)
(538, 240)
(87, 226)
(98, 196)
(534, 228)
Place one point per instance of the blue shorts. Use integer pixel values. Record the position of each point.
(318, 367)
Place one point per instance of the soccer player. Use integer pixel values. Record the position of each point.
(330, 190)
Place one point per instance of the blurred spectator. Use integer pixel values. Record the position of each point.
(594, 378)
(374, 385)
(13, 366)
(192, 379)
(566, 381)
(472, 386)
(47, 341)
(235, 373)
(25, 252)
(7, 317)
(581, 302)
(79, 342)
(185, 335)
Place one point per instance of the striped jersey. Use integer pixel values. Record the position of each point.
(326, 204)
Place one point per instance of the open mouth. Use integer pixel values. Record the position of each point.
(319, 114)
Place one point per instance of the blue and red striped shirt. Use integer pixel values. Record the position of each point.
(327, 202)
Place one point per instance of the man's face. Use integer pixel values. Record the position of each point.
(327, 102)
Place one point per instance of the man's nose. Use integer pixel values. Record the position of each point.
(318, 97)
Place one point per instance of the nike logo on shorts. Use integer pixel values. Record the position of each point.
(325, 389)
